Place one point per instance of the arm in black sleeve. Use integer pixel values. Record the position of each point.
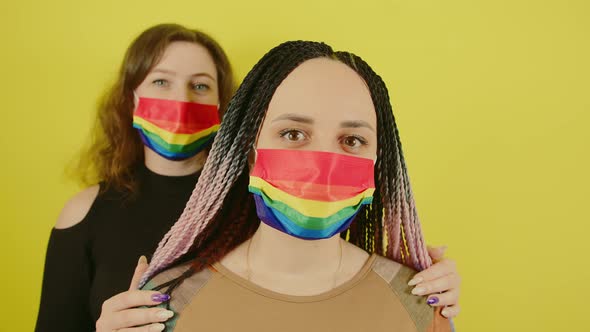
(66, 282)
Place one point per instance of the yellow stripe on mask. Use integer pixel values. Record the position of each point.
(307, 207)
(173, 138)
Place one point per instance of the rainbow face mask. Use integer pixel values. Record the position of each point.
(175, 130)
(309, 194)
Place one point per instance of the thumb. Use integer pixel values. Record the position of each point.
(437, 253)
(140, 269)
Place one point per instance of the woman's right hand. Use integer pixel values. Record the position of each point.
(121, 313)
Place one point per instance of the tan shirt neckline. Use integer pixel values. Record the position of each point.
(296, 298)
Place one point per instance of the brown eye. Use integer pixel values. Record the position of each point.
(293, 135)
(353, 142)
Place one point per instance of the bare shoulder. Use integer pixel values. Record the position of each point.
(76, 208)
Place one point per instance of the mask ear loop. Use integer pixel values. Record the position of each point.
(252, 156)
(135, 101)
(253, 153)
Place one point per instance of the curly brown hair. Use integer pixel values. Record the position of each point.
(115, 148)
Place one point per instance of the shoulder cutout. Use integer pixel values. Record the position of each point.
(77, 208)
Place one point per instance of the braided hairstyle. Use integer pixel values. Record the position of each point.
(220, 214)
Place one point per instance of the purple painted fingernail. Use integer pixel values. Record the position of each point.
(432, 300)
(160, 297)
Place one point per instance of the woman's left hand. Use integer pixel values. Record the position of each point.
(440, 282)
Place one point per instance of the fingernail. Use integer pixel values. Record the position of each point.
(432, 300)
(157, 327)
(160, 297)
(164, 314)
(142, 260)
(415, 281)
(419, 291)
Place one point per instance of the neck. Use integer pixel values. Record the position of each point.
(160, 165)
(280, 254)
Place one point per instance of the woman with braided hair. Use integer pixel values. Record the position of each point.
(304, 212)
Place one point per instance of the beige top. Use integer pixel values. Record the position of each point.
(376, 299)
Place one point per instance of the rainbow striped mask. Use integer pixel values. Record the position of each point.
(175, 130)
(310, 194)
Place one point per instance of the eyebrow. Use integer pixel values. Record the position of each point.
(308, 120)
(294, 117)
(356, 124)
(171, 72)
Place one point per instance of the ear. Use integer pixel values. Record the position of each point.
(135, 101)
(251, 158)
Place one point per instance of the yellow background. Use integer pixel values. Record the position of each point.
(492, 100)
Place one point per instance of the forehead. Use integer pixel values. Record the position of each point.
(188, 58)
(324, 87)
